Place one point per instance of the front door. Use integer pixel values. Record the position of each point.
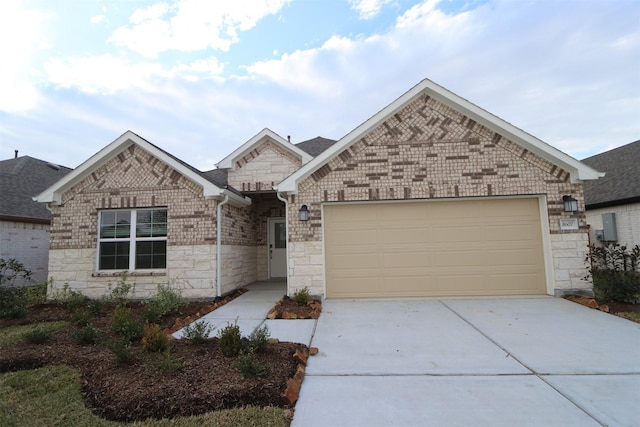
(277, 247)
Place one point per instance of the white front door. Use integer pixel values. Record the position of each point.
(277, 247)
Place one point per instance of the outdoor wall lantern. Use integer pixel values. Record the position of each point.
(303, 213)
(570, 204)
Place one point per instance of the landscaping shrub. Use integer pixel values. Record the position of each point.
(301, 296)
(249, 366)
(87, 334)
(230, 339)
(125, 324)
(257, 341)
(119, 294)
(154, 339)
(37, 336)
(166, 362)
(13, 299)
(614, 270)
(12, 271)
(121, 348)
(197, 332)
(71, 299)
(166, 301)
(81, 316)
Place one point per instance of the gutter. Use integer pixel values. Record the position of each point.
(219, 246)
(286, 229)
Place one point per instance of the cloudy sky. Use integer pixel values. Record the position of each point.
(200, 77)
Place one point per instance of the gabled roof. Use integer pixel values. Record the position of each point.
(578, 171)
(21, 179)
(621, 184)
(264, 135)
(208, 182)
(316, 146)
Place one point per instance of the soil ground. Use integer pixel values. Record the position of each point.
(195, 379)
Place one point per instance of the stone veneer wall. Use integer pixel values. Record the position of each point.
(430, 151)
(263, 167)
(136, 179)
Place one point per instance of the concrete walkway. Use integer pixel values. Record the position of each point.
(538, 361)
(250, 311)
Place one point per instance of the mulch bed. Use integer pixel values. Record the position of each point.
(207, 380)
(608, 307)
(287, 308)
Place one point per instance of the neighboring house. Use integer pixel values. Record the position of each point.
(24, 223)
(613, 202)
(431, 196)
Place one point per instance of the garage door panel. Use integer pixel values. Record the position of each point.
(470, 247)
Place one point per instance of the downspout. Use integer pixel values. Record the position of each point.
(219, 246)
(286, 229)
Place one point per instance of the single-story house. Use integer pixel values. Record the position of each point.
(24, 223)
(431, 196)
(613, 202)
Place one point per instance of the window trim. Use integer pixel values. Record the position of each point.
(132, 239)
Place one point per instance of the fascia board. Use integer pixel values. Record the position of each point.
(577, 169)
(229, 161)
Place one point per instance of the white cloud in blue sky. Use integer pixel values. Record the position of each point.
(199, 78)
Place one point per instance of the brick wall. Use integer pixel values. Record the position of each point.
(136, 179)
(427, 151)
(263, 167)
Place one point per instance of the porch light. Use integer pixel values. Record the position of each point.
(570, 204)
(303, 213)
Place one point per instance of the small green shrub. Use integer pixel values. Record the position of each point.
(81, 316)
(154, 339)
(249, 366)
(121, 348)
(94, 306)
(197, 332)
(614, 271)
(13, 302)
(166, 301)
(119, 294)
(166, 362)
(37, 336)
(36, 294)
(125, 324)
(257, 341)
(301, 296)
(87, 334)
(13, 272)
(230, 339)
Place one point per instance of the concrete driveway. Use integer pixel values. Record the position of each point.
(537, 361)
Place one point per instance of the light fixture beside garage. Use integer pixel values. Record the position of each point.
(570, 204)
(303, 213)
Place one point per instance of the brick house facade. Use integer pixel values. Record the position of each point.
(429, 145)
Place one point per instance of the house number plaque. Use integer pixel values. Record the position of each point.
(568, 224)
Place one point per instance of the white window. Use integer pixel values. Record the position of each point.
(133, 239)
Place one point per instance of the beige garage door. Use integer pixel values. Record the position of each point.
(462, 247)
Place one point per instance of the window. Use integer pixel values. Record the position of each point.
(120, 248)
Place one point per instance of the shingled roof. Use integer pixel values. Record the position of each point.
(316, 145)
(621, 184)
(21, 179)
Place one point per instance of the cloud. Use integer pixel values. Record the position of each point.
(20, 43)
(368, 9)
(107, 74)
(191, 25)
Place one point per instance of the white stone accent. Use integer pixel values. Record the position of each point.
(238, 266)
(268, 167)
(569, 251)
(306, 267)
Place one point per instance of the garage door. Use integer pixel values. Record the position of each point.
(435, 248)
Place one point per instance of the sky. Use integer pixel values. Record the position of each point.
(198, 78)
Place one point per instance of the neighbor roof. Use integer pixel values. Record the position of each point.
(577, 170)
(21, 179)
(621, 184)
